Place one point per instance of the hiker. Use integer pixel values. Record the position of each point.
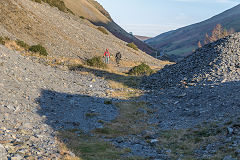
(118, 58)
(107, 56)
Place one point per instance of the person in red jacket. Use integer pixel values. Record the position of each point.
(107, 56)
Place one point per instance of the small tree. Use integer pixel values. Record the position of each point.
(217, 33)
(231, 31)
(199, 44)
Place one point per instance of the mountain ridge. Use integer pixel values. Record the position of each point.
(183, 40)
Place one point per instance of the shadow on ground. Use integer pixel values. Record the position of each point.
(74, 116)
(124, 79)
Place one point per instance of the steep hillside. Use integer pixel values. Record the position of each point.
(62, 34)
(94, 12)
(182, 41)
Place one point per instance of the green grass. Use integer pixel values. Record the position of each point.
(181, 51)
(90, 148)
(96, 62)
(129, 121)
(91, 114)
(56, 3)
(38, 1)
(186, 141)
(103, 30)
(22, 44)
(133, 46)
(140, 70)
(38, 49)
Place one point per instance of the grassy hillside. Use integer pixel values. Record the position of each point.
(64, 34)
(182, 41)
(94, 12)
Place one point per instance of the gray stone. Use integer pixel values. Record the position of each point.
(229, 158)
(3, 153)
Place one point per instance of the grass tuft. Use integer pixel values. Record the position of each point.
(133, 46)
(2, 41)
(22, 44)
(56, 3)
(103, 30)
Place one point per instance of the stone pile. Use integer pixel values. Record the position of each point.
(214, 63)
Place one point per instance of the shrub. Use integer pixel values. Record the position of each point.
(140, 70)
(108, 102)
(96, 62)
(22, 44)
(2, 41)
(38, 49)
(133, 46)
(82, 17)
(103, 30)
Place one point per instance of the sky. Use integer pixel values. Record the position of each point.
(153, 17)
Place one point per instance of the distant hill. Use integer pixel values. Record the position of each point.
(182, 41)
(142, 38)
(94, 12)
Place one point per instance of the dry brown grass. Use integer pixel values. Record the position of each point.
(64, 151)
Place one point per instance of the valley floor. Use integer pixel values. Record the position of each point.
(50, 112)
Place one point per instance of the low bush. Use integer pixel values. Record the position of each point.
(103, 30)
(140, 70)
(38, 49)
(22, 44)
(96, 62)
